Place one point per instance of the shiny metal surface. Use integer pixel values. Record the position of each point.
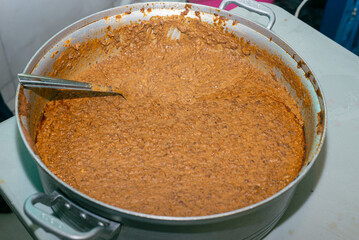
(36, 81)
(247, 223)
(252, 6)
(92, 226)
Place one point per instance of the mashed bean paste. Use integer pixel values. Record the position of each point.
(202, 130)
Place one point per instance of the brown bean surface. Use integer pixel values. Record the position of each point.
(202, 131)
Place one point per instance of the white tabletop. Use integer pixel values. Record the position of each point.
(326, 202)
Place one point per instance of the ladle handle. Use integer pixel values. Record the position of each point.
(30, 80)
(93, 225)
(252, 6)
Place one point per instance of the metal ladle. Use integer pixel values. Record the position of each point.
(36, 81)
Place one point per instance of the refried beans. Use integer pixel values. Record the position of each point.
(202, 131)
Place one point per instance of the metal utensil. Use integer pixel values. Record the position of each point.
(36, 81)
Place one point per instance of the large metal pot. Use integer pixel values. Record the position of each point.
(81, 217)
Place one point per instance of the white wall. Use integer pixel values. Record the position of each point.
(7, 86)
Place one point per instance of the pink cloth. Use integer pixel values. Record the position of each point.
(216, 3)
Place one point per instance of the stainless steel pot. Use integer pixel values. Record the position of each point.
(81, 217)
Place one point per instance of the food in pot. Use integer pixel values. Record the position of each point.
(203, 131)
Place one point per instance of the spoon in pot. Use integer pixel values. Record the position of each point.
(36, 81)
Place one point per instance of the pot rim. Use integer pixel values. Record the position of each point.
(157, 5)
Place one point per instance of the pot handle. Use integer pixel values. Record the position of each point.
(100, 227)
(252, 6)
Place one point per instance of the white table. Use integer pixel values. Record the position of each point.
(326, 202)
